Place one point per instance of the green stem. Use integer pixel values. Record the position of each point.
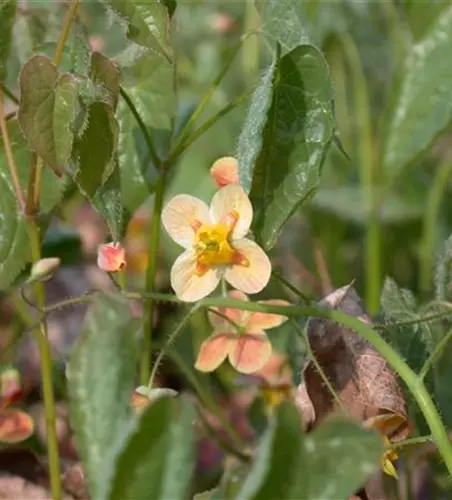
(412, 381)
(416, 321)
(180, 148)
(303, 333)
(250, 57)
(430, 225)
(147, 136)
(367, 175)
(222, 443)
(65, 31)
(46, 371)
(207, 400)
(10, 161)
(410, 442)
(435, 355)
(169, 342)
(183, 134)
(9, 94)
(276, 275)
(151, 273)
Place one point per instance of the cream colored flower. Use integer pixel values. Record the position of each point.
(215, 244)
(242, 339)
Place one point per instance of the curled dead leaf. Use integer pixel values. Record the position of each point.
(15, 425)
(366, 385)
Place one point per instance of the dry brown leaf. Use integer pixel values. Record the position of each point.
(365, 383)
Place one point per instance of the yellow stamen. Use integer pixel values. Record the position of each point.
(212, 245)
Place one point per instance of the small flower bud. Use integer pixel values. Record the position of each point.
(43, 269)
(225, 171)
(222, 23)
(111, 257)
(143, 396)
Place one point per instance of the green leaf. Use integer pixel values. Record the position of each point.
(38, 80)
(7, 17)
(94, 150)
(280, 165)
(147, 80)
(414, 342)
(443, 275)
(147, 23)
(285, 21)
(349, 203)
(423, 105)
(251, 141)
(171, 6)
(338, 458)
(64, 112)
(330, 463)
(14, 244)
(105, 73)
(108, 202)
(100, 378)
(159, 458)
(278, 458)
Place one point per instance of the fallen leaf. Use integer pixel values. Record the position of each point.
(366, 385)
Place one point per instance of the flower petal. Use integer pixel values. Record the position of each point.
(232, 198)
(236, 315)
(214, 350)
(250, 352)
(15, 426)
(254, 277)
(263, 321)
(189, 286)
(181, 216)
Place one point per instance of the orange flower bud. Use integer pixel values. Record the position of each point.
(225, 171)
(222, 23)
(43, 269)
(111, 257)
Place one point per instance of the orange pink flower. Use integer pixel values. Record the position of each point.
(241, 337)
(111, 257)
(225, 171)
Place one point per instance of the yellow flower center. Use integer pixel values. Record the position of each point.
(212, 245)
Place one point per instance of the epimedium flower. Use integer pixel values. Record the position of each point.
(214, 244)
(225, 171)
(111, 257)
(241, 337)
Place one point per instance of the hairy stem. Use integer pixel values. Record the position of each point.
(10, 161)
(435, 355)
(147, 136)
(170, 340)
(368, 172)
(46, 370)
(180, 148)
(151, 273)
(184, 133)
(65, 31)
(430, 225)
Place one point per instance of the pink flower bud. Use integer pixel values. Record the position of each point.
(225, 171)
(44, 268)
(111, 257)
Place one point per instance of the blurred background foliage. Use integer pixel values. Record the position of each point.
(367, 45)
